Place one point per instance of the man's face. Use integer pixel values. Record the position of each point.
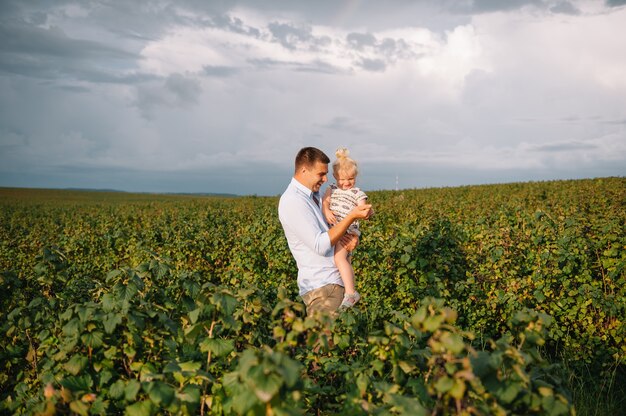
(315, 176)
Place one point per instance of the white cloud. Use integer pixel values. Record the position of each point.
(580, 48)
(446, 60)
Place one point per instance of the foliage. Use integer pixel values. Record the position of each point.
(477, 300)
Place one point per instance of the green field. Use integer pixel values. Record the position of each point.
(495, 299)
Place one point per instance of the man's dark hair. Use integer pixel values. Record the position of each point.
(308, 156)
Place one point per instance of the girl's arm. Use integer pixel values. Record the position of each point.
(328, 214)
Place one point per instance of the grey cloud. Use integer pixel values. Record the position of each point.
(487, 6)
(234, 24)
(133, 35)
(316, 66)
(51, 54)
(563, 147)
(296, 37)
(319, 67)
(55, 69)
(361, 40)
(374, 65)
(618, 121)
(565, 7)
(31, 40)
(290, 36)
(615, 3)
(346, 125)
(389, 46)
(480, 6)
(176, 91)
(38, 18)
(73, 88)
(219, 71)
(186, 90)
(391, 49)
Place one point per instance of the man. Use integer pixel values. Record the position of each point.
(310, 240)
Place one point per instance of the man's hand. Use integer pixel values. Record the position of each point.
(362, 212)
(337, 232)
(349, 241)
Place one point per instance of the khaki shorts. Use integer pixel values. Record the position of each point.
(324, 299)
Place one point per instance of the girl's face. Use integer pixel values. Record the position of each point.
(345, 179)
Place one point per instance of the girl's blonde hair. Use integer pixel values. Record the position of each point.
(344, 162)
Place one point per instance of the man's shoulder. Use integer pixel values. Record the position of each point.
(290, 196)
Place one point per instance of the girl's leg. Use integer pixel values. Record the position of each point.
(345, 268)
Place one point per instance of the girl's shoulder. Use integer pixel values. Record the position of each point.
(358, 193)
(355, 190)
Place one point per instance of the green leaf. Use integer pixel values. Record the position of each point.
(190, 394)
(290, 370)
(79, 407)
(508, 393)
(160, 393)
(482, 364)
(406, 366)
(72, 327)
(139, 409)
(172, 367)
(191, 366)
(458, 390)
(219, 347)
(93, 339)
(111, 321)
(131, 390)
(113, 274)
(226, 303)
(444, 384)
(432, 323)
(77, 383)
(76, 364)
(265, 386)
(362, 382)
(453, 342)
(407, 405)
(117, 390)
(109, 302)
(193, 315)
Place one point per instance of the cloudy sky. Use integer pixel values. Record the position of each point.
(218, 96)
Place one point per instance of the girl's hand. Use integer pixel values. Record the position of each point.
(349, 241)
(330, 218)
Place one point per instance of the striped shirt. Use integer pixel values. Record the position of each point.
(342, 201)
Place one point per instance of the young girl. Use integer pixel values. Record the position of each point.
(340, 198)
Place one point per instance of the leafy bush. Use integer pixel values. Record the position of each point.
(486, 300)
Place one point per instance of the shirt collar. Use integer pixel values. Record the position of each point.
(306, 191)
(301, 187)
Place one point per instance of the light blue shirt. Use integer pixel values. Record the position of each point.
(308, 239)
